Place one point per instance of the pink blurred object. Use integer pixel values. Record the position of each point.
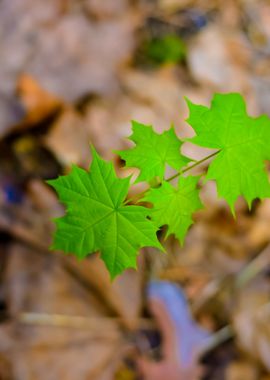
(182, 337)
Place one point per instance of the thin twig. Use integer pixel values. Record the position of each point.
(217, 338)
(62, 320)
(253, 268)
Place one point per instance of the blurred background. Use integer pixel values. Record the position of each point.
(74, 72)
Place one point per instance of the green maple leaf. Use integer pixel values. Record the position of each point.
(153, 151)
(174, 206)
(242, 143)
(98, 220)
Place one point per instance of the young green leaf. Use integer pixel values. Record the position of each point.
(174, 206)
(166, 49)
(242, 144)
(97, 218)
(153, 151)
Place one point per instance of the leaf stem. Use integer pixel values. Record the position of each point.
(196, 163)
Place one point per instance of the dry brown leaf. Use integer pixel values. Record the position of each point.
(38, 103)
(68, 139)
(251, 320)
(106, 8)
(221, 59)
(241, 370)
(122, 297)
(67, 52)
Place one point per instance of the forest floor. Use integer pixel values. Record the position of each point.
(75, 72)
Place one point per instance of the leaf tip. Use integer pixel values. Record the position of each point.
(93, 151)
(50, 182)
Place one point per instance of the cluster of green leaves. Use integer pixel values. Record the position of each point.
(169, 48)
(99, 215)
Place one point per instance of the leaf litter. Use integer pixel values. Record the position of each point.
(57, 312)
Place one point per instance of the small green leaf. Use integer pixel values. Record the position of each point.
(153, 151)
(174, 206)
(167, 49)
(98, 220)
(242, 144)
